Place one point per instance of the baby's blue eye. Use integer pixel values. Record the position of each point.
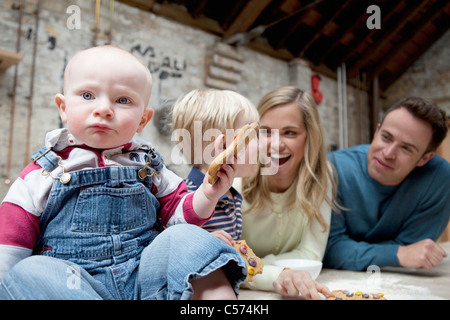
(123, 100)
(87, 96)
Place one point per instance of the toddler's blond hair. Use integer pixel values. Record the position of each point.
(215, 109)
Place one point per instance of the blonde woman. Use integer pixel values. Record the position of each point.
(287, 214)
(205, 122)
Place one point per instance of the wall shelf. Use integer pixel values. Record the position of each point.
(8, 59)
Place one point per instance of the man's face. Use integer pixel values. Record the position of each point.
(398, 147)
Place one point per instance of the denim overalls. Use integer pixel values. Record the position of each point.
(103, 220)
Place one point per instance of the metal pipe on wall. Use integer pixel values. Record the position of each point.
(13, 98)
(33, 70)
(342, 106)
(344, 100)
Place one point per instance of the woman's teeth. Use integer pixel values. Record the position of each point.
(280, 158)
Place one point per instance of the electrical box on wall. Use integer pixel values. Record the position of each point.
(8, 59)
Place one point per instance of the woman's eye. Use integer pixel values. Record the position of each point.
(290, 133)
(87, 96)
(123, 100)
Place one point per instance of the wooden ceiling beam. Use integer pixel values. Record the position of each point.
(432, 14)
(141, 4)
(199, 9)
(324, 25)
(358, 42)
(180, 14)
(341, 34)
(348, 38)
(282, 39)
(388, 80)
(246, 17)
(389, 36)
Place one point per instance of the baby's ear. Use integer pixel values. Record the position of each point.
(146, 117)
(60, 101)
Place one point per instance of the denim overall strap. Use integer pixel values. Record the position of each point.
(46, 158)
(157, 160)
(111, 202)
(154, 164)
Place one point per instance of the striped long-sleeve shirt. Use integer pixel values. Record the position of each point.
(227, 215)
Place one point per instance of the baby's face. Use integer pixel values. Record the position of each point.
(105, 98)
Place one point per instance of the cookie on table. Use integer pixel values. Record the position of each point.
(358, 295)
(254, 264)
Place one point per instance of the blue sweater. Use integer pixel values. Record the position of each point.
(380, 218)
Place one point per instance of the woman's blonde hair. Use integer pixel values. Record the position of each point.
(315, 172)
(215, 109)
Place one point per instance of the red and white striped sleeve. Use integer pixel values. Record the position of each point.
(20, 213)
(175, 200)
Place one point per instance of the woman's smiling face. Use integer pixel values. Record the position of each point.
(284, 135)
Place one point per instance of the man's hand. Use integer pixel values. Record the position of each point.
(423, 254)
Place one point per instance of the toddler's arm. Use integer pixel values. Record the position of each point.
(207, 195)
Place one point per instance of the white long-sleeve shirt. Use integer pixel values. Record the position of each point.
(282, 234)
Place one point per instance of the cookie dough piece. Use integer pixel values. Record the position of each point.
(240, 142)
(358, 295)
(254, 264)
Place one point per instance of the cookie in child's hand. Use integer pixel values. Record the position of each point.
(254, 264)
(358, 295)
(240, 142)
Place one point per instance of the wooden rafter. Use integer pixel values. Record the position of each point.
(389, 78)
(380, 45)
(247, 17)
(358, 42)
(323, 26)
(429, 17)
(323, 32)
(341, 34)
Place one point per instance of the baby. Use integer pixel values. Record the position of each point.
(92, 204)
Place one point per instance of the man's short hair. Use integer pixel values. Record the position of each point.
(428, 111)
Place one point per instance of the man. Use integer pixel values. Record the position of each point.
(395, 193)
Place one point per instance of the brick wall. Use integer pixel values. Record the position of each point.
(176, 55)
(428, 77)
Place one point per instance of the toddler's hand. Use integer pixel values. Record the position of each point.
(224, 236)
(225, 178)
(207, 195)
